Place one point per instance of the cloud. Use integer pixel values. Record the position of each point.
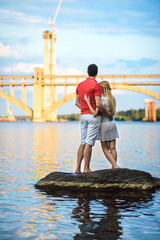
(110, 19)
(70, 71)
(118, 92)
(22, 68)
(152, 69)
(18, 17)
(82, 12)
(8, 51)
(126, 47)
(135, 14)
(122, 66)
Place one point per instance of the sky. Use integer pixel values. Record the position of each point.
(121, 37)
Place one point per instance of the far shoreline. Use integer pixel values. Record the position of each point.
(122, 116)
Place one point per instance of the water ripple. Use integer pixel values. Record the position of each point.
(30, 151)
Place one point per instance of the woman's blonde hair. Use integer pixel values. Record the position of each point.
(106, 91)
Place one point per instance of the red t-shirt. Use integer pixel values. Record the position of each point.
(91, 88)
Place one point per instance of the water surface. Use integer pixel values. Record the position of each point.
(29, 151)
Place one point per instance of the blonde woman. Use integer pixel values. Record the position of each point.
(108, 130)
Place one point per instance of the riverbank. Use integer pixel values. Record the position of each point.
(129, 115)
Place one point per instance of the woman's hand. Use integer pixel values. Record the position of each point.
(87, 99)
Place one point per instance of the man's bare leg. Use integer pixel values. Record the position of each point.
(80, 155)
(87, 158)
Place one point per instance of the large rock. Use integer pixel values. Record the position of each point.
(107, 180)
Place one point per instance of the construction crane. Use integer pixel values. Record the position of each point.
(52, 22)
(50, 63)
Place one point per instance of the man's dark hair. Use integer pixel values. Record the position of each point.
(92, 70)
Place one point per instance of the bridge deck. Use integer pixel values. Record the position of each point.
(74, 84)
(73, 80)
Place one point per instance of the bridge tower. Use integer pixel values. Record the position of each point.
(9, 110)
(49, 69)
(38, 95)
(147, 109)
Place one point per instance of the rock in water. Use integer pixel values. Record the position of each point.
(107, 180)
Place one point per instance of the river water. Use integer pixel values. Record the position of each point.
(29, 151)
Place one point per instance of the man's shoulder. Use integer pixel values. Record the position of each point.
(98, 84)
(92, 83)
(82, 83)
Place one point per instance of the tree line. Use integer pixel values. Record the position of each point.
(129, 115)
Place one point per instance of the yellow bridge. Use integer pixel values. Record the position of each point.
(39, 82)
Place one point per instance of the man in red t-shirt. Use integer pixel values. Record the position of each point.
(89, 124)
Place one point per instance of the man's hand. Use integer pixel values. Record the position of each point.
(105, 111)
(110, 117)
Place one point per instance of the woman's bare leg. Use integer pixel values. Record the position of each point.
(108, 154)
(112, 147)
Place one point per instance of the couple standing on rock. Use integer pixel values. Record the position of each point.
(97, 110)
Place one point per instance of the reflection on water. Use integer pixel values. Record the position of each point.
(29, 151)
(44, 151)
(97, 224)
(106, 224)
(99, 216)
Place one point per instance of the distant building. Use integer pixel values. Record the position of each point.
(150, 110)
